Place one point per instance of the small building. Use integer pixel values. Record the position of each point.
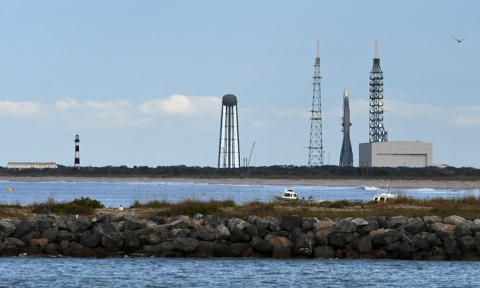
(31, 165)
(396, 154)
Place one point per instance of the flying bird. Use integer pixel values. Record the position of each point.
(459, 40)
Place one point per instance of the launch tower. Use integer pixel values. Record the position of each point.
(315, 149)
(377, 131)
(346, 156)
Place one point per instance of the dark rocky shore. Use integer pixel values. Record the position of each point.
(430, 238)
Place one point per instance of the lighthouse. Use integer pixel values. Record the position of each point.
(77, 151)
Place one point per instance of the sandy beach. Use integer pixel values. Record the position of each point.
(397, 184)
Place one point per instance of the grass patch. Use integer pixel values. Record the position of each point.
(82, 206)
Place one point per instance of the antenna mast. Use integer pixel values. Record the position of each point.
(315, 149)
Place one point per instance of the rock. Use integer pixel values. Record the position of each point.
(308, 223)
(78, 225)
(274, 224)
(451, 247)
(251, 230)
(384, 223)
(14, 241)
(99, 218)
(159, 220)
(31, 235)
(362, 245)
(51, 234)
(118, 225)
(159, 248)
(197, 223)
(131, 226)
(105, 228)
(321, 239)
(198, 216)
(294, 234)
(203, 233)
(466, 243)
(289, 222)
(260, 245)
(212, 222)
(304, 244)
(22, 229)
(185, 244)
(221, 232)
(404, 250)
(383, 237)
(7, 228)
(413, 226)
(454, 220)
(390, 248)
(422, 244)
(222, 242)
(372, 225)
(397, 221)
(340, 239)
(247, 253)
(346, 226)
(113, 241)
(324, 252)
(432, 219)
(279, 233)
(324, 227)
(442, 230)
(76, 246)
(471, 256)
(464, 229)
(60, 223)
(182, 223)
(64, 235)
(236, 223)
(145, 232)
(131, 244)
(159, 237)
(477, 240)
(64, 245)
(91, 241)
(238, 235)
(435, 250)
(282, 247)
(180, 217)
(432, 238)
(52, 249)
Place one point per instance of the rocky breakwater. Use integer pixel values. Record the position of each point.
(430, 238)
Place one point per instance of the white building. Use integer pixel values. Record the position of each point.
(396, 154)
(30, 165)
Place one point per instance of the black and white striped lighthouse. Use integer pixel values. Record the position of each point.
(77, 151)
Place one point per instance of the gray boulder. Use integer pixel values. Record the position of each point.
(324, 252)
(464, 228)
(238, 235)
(221, 232)
(294, 234)
(260, 245)
(274, 224)
(159, 237)
(64, 245)
(432, 219)
(212, 222)
(113, 241)
(289, 222)
(131, 226)
(442, 230)
(159, 248)
(308, 223)
(159, 220)
(203, 233)
(347, 226)
(91, 241)
(340, 239)
(397, 221)
(64, 235)
(198, 216)
(181, 223)
(31, 235)
(14, 241)
(52, 249)
(454, 220)
(185, 244)
(477, 240)
(304, 244)
(236, 223)
(451, 247)
(61, 223)
(131, 244)
(282, 247)
(321, 239)
(405, 250)
(78, 225)
(51, 234)
(7, 228)
(413, 226)
(383, 237)
(362, 245)
(422, 244)
(466, 243)
(384, 223)
(105, 228)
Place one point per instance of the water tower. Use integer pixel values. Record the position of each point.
(229, 146)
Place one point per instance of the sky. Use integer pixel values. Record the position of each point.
(141, 82)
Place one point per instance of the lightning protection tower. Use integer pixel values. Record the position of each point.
(346, 156)
(315, 149)
(377, 131)
(229, 146)
(77, 151)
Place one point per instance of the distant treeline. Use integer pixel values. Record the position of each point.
(273, 172)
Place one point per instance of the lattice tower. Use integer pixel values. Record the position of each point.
(377, 130)
(315, 150)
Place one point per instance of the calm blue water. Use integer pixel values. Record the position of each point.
(162, 272)
(116, 194)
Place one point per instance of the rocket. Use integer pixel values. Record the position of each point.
(346, 114)
(346, 155)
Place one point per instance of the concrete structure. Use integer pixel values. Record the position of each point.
(31, 165)
(77, 151)
(396, 154)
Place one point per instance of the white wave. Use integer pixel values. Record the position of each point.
(369, 188)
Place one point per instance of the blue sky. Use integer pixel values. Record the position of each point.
(141, 81)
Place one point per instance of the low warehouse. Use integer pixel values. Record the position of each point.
(396, 154)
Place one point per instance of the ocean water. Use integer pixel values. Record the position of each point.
(116, 194)
(163, 272)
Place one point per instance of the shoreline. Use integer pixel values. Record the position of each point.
(396, 184)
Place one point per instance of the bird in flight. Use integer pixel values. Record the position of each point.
(459, 40)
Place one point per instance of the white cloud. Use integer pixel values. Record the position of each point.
(192, 106)
(65, 104)
(20, 109)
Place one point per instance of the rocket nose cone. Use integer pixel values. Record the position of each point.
(345, 93)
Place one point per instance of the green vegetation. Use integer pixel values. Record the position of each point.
(82, 206)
